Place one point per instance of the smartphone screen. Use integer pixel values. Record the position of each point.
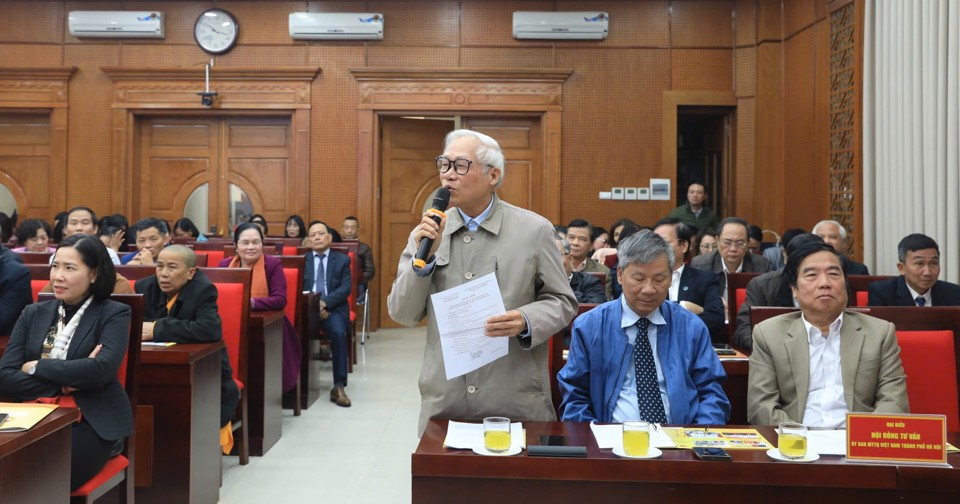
(552, 440)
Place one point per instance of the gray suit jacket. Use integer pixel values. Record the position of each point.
(518, 247)
(752, 263)
(779, 380)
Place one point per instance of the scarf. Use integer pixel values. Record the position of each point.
(258, 284)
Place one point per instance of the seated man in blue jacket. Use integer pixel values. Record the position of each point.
(641, 357)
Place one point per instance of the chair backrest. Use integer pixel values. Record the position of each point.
(233, 303)
(351, 248)
(858, 287)
(293, 267)
(135, 272)
(599, 275)
(289, 250)
(611, 262)
(929, 357)
(736, 281)
(202, 258)
(35, 257)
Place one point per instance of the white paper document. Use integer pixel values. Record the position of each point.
(461, 313)
(611, 436)
(827, 442)
(467, 436)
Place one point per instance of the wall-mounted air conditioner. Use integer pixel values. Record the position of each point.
(560, 25)
(336, 26)
(116, 24)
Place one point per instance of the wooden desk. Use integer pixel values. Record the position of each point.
(735, 386)
(182, 385)
(439, 475)
(35, 465)
(264, 379)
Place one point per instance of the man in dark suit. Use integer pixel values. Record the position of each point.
(327, 275)
(180, 305)
(696, 290)
(836, 236)
(731, 255)
(351, 231)
(918, 283)
(586, 287)
(15, 293)
(768, 289)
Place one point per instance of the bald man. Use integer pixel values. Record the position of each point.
(181, 306)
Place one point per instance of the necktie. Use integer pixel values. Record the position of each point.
(921, 301)
(648, 391)
(321, 278)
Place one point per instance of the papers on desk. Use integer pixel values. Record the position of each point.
(468, 436)
(827, 442)
(611, 436)
(23, 416)
(157, 343)
(461, 313)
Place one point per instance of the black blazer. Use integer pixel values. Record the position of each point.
(99, 395)
(894, 292)
(338, 281)
(768, 289)
(587, 288)
(852, 267)
(15, 292)
(701, 287)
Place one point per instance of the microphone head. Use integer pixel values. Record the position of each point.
(442, 199)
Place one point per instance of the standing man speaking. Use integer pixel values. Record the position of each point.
(483, 235)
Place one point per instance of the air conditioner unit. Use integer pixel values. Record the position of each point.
(336, 26)
(560, 25)
(116, 24)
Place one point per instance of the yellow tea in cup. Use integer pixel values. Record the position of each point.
(496, 434)
(793, 446)
(636, 438)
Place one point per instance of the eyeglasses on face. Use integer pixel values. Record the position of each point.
(460, 166)
(730, 243)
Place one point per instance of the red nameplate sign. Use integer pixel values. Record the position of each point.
(897, 438)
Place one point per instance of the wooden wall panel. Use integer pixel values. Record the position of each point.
(507, 57)
(766, 211)
(798, 15)
(263, 56)
(406, 57)
(745, 165)
(31, 55)
(263, 23)
(180, 17)
(746, 23)
(487, 23)
(746, 72)
(802, 203)
(702, 24)
(702, 69)
(25, 21)
(632, 24)
(419, 23)
(89, 130)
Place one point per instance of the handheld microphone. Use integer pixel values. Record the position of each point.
(440, 202)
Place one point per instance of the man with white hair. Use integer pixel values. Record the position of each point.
(482, 235)
(835, 235)
(642, 357)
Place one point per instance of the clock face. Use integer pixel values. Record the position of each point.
(216, 31)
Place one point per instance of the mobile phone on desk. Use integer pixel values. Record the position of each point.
(712, 454)
(552, 440)
(724, 349)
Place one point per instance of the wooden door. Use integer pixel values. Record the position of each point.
(27, 165)
(409, 178)
(179, 155)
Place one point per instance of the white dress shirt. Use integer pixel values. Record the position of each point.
(675, 283)
(926, 297)
(826, 405)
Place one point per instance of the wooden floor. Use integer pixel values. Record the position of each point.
(339, 455)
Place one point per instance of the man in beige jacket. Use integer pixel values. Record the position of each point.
(816, 365)
(482, 235)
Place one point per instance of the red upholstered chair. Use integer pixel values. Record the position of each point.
(861, 298)
(119, 469)
(931, 367)
(735, 283)
(36, 286)
(858, 287)
(35, 257)
(293, 267)
(351, 248)
(202, 258)
(611, 262)
(39, 278)
(233, 303)
(289, 250)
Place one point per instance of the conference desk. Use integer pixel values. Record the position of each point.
(35, 464)
(178, 445)
(735, 386)
(264, 379)
(440, 475)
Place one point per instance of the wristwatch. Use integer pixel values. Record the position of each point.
(32, 370)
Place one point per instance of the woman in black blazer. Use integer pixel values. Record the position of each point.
(68, 351)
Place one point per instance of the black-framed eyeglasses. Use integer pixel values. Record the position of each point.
(460, 166)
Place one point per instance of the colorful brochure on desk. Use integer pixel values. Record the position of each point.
(23, 416)
(718, 437)
(158, 343)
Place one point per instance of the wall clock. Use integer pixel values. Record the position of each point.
(216, 31)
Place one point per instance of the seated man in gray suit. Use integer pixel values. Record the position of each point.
(815, 365)
(918, 283)
(732, 255)
(768, 289)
